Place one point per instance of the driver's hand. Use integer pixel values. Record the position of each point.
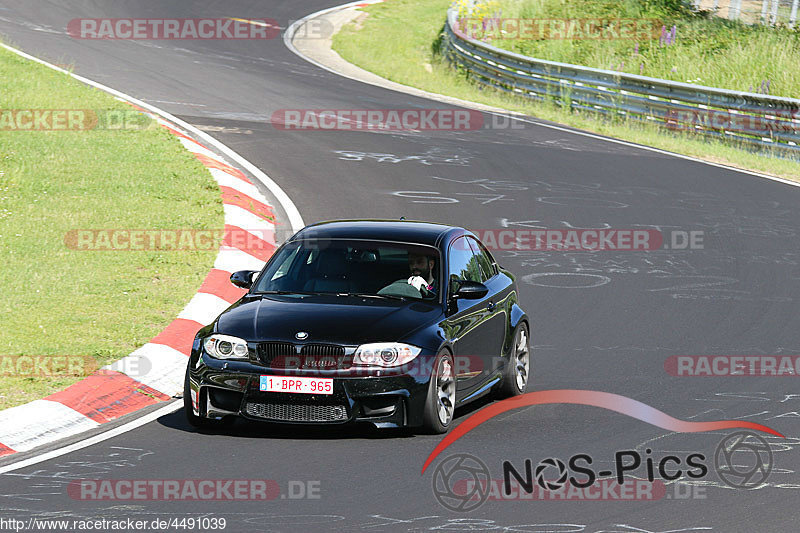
(419, 283)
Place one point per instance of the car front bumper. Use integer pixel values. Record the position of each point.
(383, 398)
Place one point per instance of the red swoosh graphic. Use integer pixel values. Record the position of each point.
(605, 400)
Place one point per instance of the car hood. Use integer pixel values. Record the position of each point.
(327, 319)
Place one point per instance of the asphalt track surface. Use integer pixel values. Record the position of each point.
(604, 321)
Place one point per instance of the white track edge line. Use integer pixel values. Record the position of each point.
(142, 420)
(291, 30)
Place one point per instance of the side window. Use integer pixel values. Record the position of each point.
(484, 260)
(463, 264)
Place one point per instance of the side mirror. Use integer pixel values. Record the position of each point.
(471, 290)
(243, 278)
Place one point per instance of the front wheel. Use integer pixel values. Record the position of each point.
(517, 371)
(441, 402)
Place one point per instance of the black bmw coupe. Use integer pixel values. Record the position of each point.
(395, 323)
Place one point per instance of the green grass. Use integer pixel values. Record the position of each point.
(59, 301)
(707, 50)
(399, 40)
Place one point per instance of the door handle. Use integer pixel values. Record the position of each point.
(491, 306)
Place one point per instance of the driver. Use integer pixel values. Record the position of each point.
(421, 267)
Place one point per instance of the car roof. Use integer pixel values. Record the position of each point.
(413, 231)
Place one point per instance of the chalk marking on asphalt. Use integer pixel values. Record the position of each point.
(288, 36)
(174, 406)
(255, 22)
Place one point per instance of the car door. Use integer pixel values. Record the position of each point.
(467, 323)
(497, 321)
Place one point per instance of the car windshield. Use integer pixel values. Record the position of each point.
(366, 268)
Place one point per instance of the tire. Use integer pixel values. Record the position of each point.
(194, 420)
(441, 400)
(516, 374)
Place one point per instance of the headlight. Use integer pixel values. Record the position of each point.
(226, 347)
(385, 354)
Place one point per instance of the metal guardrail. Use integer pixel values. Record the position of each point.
(755, 121)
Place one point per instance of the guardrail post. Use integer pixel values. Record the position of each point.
(774, 18)
(734, 9)
(793, 16)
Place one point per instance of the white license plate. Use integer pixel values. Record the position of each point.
(297, 385)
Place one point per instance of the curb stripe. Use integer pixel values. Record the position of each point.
(212, 163)
(43, 421)
(238, 216)
(203, 308)
(178, 335)
(225, 179)
(231, 260)
(218, 282)
(231, 196)
(196, 149)
(105, 396)
(180, 134)
(250, 241)
(262, 236)
(165, 367)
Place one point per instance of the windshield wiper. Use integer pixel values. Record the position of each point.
(365, 295)
(287, 292)
(347, 294)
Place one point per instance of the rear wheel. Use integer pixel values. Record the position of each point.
(441, 402)
(517, 371)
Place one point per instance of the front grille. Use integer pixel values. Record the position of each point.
(322, 350)
(297, 413)
(283, 355)
(325, 357)
(267, 351)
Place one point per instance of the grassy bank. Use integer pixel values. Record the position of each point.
(397, 40)
(61, 301)
(694, 48)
